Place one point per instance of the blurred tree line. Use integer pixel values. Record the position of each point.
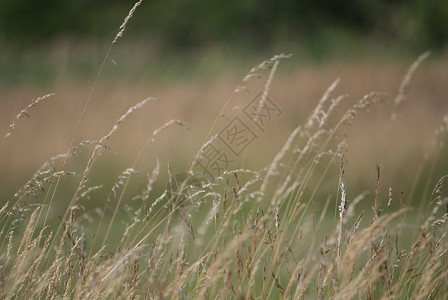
(192, 23)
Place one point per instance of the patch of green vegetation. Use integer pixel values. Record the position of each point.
(290, 230)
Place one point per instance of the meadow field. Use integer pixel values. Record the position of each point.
(124, 177)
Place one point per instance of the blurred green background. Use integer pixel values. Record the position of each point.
(259, 25)
(42, 41)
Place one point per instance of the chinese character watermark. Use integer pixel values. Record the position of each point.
(237, 136)
(262, 109)
(213, 161)
(217, 155)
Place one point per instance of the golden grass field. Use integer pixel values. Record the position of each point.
(336, 187)
(347, 205)
(389, 143)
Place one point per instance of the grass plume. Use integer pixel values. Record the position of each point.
(254, 234)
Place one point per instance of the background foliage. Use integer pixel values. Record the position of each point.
(257, 24)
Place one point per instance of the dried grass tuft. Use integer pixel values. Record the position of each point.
(25, 112)
(254, 234)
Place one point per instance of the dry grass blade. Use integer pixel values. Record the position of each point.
(167, 125)
(315, 116)
(408, 77)
(24, 112)
(212, 274)
(125, 21)
(342, 210)
(441, 131)
(114, 129)
(186, 220)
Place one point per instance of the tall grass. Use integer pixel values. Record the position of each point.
(254, 234)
